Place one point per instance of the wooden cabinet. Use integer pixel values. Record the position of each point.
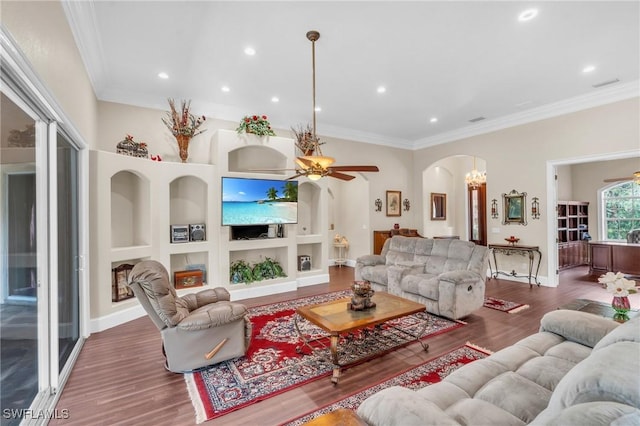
(379, 237)
(573, 233)
(609, 256)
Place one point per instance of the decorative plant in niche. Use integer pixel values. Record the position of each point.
(241, 271)
(256, 124)
(267, 269)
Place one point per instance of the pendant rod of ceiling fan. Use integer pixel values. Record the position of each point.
(313, 36)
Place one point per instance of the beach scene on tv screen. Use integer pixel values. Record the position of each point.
(259, 201)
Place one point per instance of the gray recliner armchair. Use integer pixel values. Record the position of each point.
(198, 329)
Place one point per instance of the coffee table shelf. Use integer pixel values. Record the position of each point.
(347, 329)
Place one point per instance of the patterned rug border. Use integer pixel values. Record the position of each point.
(363, 389)
(195, 384)
(517, 307)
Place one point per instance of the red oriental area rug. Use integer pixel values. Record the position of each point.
(418, 377)
(504, 305)
(272, 364)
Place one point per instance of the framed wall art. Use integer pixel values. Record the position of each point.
(394, 205)
(515, 208)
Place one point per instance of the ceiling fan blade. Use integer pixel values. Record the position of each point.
(297, 175)
(355, 168)
(268, 170)
(340, 175)
(621, 179)
(303, 162)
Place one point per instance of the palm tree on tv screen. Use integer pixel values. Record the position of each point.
(272, 193)
(290, 191)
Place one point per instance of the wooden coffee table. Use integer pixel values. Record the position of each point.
(337, 319)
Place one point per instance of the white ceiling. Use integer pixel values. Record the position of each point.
(452, 60)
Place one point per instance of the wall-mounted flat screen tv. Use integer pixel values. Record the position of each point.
(259, 201)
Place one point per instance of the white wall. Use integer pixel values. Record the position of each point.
(40, 28)
(517, 158)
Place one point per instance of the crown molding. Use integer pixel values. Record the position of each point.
(81, 16)
(599, 97)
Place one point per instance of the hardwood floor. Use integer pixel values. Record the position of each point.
(119, 378)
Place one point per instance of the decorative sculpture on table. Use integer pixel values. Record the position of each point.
(362, 294)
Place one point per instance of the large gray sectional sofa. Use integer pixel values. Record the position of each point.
(579, 369)
(448, 276)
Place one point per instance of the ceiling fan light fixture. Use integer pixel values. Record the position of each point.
(314, 177)
(636, 177)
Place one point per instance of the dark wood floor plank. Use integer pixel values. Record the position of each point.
(119, 378)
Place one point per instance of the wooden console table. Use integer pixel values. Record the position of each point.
(508, 250)
(612, 256)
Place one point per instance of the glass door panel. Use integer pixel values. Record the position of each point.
(19, 348)
(68, 274)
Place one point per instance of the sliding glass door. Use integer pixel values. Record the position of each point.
(41, 273)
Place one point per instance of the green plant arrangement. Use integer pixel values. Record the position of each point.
(256, 124)
(267, 269)
(240, 272)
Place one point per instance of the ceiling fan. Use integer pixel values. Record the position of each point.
(314, 165)
(635, 177)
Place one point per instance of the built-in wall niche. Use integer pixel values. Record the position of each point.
(257, 159)
(308, 212)
(315, 251)
(188, 201)
(130, 216)
(190, 261)
(256, 256)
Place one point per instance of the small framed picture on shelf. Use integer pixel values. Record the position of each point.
(187, 279)
(120, 290)
(179, 233)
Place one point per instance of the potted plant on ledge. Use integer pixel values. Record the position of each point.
(256, 124)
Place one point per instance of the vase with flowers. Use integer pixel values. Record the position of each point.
(257, 124)
(183, 125)
(620, 287)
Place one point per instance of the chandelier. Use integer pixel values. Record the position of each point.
(317, 165)
(474, 178)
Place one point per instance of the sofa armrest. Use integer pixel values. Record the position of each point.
(460, 277)
(211, 295)
(581, 327)
(399, 406)
(371, 260)
(213, 315)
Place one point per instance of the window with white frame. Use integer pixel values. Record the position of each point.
(621, 210)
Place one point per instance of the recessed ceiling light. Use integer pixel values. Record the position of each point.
(381, 89)
(588, 69)
(250, 51)
(275, 99)
(318, 109)
(225, 89)
(163, 75)
(527, 15)
(433, 120)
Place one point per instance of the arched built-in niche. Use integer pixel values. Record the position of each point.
(130, 216)
(350, 213)
(188, 197)
(253, 158)
(309, 212)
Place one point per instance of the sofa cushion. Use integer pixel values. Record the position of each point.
(591, 413)
(582, 327)
(377, 274)
(516, 395)
(401, 249)
(627, 332)
(425, 285)
(608, 374)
